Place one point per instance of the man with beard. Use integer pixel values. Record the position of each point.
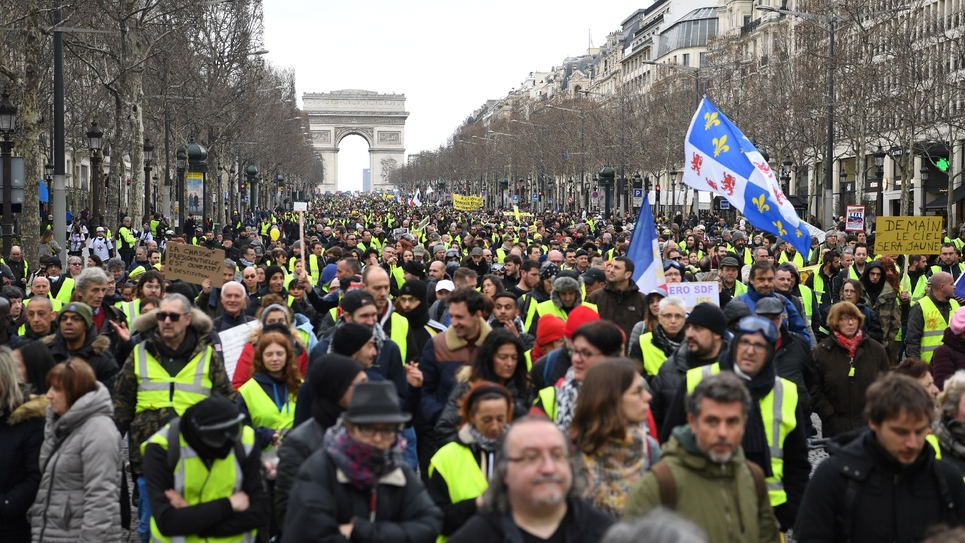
(654, 348)
(782, 455)
(762, 286)
(76, 337)
(705, 457)
(528, 279)
(739, 243)
(729, 270)
(704, 344)
(511, 266)
(821, 282)
(506, 315)
(786, 283)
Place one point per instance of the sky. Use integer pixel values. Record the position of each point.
(447, 56)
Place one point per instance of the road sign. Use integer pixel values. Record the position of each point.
(515, 198)
(17, 174)
(535, 197)
(550, 200)
(724, 204)
(637, 197)
(595, 195)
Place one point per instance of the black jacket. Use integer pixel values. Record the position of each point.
(670, 378)
(795, 363)
(542, 377)
(21, 435)
(456, 514)
(892, 502)
(582, 524)
(322, 499)
(96, 352)
(300, 443)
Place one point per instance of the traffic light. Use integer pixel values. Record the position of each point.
(243, 187)
(658, 191)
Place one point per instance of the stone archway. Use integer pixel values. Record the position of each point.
(377, 118)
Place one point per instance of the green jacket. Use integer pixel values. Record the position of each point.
(708, 495)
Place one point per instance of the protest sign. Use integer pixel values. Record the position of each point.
(233, 342)
(696, 293)
(854, 219)
(466, 203)
(908, 235)
(193, 264)
(300, 206)
(815, 231)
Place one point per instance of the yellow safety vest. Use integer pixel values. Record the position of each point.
(501, 255)
(653, 356)
(549, 308)
(798, 259)
(66, 291)
(935, 325)
(778, 410)
(455, 463)
(156, 388)
(130, 309)
(739, 288)
(400, 333)
(197, 484)
(807, 300)
(528, 356)
(263, 409)
(531, 310)
(398, 275)
(548, 397)
(55, 304)
(916, 293)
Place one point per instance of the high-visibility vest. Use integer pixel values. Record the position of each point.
(398, 275)
(266, 411)
(852, 274)
(156, 388)
(265, 227)
(653, 356)
(547, 396)
(197, 484)
(798, 259)
(938, 267)
(56, 305)
(130, 309)
(400, 333)
(531, 310)
(934, 328)
(528, 356)
(126, 239)
(807, 300)
(549, 308)
(457, 466)
(779, 413)
(916, 293)
(739, 288)
(66, 290)
(501, 255)
(818, 287)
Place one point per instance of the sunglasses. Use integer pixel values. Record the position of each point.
(220, 434)
(175, 317)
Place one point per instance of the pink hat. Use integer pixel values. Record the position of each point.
(958, 322)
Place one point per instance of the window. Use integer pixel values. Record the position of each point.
(686, 59)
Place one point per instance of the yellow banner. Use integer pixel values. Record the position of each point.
(908, 235)
(466, 203)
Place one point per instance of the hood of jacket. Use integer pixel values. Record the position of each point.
(97, 402)
(34, 408)
(873, 290)
(568, 284)
(683, 446)
(953, 342)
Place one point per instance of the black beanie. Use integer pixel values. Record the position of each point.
(710, 317)
(415, 288)
(207, 412)
(329, 378)
(349, 338)
(271, 271)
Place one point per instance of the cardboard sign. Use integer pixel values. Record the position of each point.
(696, 293)
(908, 235)
(193, 264)
(854, 219)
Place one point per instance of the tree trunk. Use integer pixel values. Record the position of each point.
(31, 117)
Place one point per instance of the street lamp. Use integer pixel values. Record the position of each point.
(673, 194)
(8, 122)
(786, 165)
(843, 179)
(252, 173)
(880, 172)
(280, 181)
(638, 184)
(606, 181)
(95, 138)
(181, 161)
(148, 157)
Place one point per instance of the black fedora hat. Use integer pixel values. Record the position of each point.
(375, 402)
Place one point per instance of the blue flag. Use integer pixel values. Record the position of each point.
(720, 159)
(644, 251)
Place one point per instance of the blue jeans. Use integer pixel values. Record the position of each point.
(143, 511)
(411, 454)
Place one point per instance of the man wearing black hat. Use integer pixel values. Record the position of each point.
(177, 476)
(704, 344)
(358, 486)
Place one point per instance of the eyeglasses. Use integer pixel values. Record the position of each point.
(175, 317)
(744, 344)
(368, 432)
(584, 354)
(534, 458)
(848, 318)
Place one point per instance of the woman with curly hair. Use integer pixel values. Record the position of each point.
(273, 312)
(267, 400)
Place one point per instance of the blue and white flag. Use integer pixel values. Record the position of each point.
(720, 159)
(644, 251)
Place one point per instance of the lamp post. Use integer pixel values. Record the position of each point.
(842, 182)
(786, 166)
(197, 168)
(148, 157)
(880, 174)
(638, 184)
(8, 123)
(95, 138)
(252, 173)
(673, 195)
(182, 163)
(280, 182)
(503, 189)
(606, 181)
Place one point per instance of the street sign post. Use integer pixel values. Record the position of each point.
(637, 197)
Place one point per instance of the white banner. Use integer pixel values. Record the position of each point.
(696, 293)
(233, 342)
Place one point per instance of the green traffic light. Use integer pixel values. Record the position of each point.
(942, 164)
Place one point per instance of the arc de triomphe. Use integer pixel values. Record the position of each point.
(379, 118)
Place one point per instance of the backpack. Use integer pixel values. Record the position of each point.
(174, 453)
(668, 486)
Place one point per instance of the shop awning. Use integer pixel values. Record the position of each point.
(942, 201)
(44, 195)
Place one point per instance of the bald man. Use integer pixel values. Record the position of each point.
(928, 319)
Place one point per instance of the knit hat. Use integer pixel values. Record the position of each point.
(350, 337)
(580, 315)
(270, 272)
(328, 273)
(355, 299)
(414, 288)
(81, 309)
(709, 316)
(958, 322)
(735, 311)
(275, 307)
(549, 329)
(414, 268)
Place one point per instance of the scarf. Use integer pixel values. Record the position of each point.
(850, 345)
(566, 393)
(362, 463)
(754, 441)
(487, 444)
(661, 340)
(951, 434)
(615, 468)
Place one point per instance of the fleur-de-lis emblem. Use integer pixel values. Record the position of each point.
(797, 232)
(761, 206)
(711, 119)
(720, 145)
(780, 226)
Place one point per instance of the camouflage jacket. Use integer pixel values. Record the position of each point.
(144, 424)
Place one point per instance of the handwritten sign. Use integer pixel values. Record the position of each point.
(854, 219)
(193, 264)
(696, 293)
(908, 235)
(233, 342)
(466, 203)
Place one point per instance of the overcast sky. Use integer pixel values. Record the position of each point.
(446, 56)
